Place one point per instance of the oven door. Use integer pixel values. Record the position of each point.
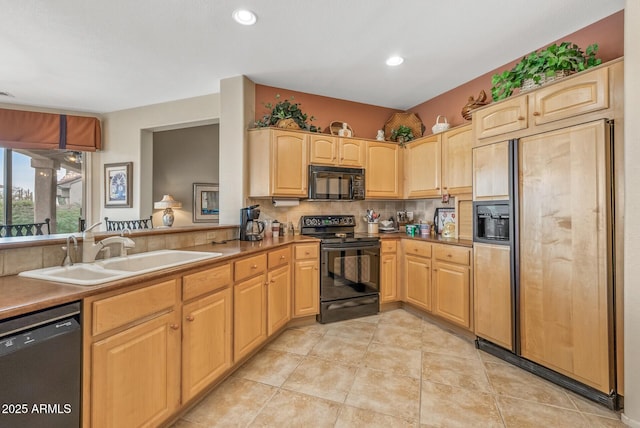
(349, 270)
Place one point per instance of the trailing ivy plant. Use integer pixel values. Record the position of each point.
(566, 56)
(285, 109)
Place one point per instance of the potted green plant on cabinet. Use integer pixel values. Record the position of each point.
(286, 114)
(402, 134)
(543, 66)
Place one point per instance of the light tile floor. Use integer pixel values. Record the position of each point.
(389, 370)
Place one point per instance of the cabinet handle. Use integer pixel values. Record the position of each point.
(190, 318)
(522, 117)
(282, 257)
(535, 113)
(435, 270)
(437, 188)
(254, 267)
(174, 326)
(306, 253)
(315, 268)
(449, 255)
(273, 280)
(266, 283)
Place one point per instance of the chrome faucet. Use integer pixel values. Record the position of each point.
(89, 247)
(68, 260)
(124, 242)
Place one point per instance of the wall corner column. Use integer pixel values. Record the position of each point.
(237, 112)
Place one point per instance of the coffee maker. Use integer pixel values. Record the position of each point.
(251, 228)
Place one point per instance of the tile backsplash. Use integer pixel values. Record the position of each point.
(423, 209)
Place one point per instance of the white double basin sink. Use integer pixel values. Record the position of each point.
(117, 268)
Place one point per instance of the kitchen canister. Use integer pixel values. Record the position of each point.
(440, 126)
(424, 230)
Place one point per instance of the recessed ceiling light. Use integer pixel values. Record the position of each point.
(394, 60)
(244, 17)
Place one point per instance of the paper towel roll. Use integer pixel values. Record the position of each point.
(285, 202)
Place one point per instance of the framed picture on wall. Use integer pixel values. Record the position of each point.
(117, 185)
(206, 208)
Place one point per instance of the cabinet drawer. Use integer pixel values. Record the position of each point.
(453, 254)
(279, 257)
(205, 281)
(122, 309)
(249, 267)
(307, 251)
(417, 248)
(388, 246)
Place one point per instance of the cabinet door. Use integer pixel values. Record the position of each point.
(383, 170)
(457, 171)
(289, 164)
(451, 293)
(584, 93)
(250, 316)
(501, 118)
(422, 167)
(491, 172)
(136, 374)
(352, 152)
(564, 254)
(306, 290)
(278, 298)
(323, 150)
(492, 293)
(417, 271)
(388, 278)
(206, 342)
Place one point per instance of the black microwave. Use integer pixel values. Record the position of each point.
(332, 183)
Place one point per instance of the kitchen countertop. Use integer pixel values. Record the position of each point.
(21, 295)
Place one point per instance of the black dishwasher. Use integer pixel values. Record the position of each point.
(40, 367)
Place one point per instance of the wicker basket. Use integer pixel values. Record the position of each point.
(407, 119)
(528, 84)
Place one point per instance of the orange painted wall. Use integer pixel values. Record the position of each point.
(608, 33)
(366, 119)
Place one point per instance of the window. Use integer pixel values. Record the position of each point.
(40, 184)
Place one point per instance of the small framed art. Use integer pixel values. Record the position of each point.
(117, 185)
(206, 207)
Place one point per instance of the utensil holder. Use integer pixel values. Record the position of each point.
(372, 228)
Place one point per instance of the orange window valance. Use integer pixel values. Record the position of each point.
(34, 130)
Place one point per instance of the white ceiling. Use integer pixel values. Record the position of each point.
(107, 55)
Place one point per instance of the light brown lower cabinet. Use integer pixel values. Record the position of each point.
(249, 315)
(206, 341)
(306, 277)
(278, 298)
(135, 367)
(388, 271)
(417, 272)
(452, 284)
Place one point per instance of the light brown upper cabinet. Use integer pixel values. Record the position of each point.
(584, 93)
(383, 171)
(278, 163)
(506, 116)
(491, 172)
(422, 160)
(331, 150)
(456, 160)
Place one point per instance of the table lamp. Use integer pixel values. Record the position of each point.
(167, 203)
